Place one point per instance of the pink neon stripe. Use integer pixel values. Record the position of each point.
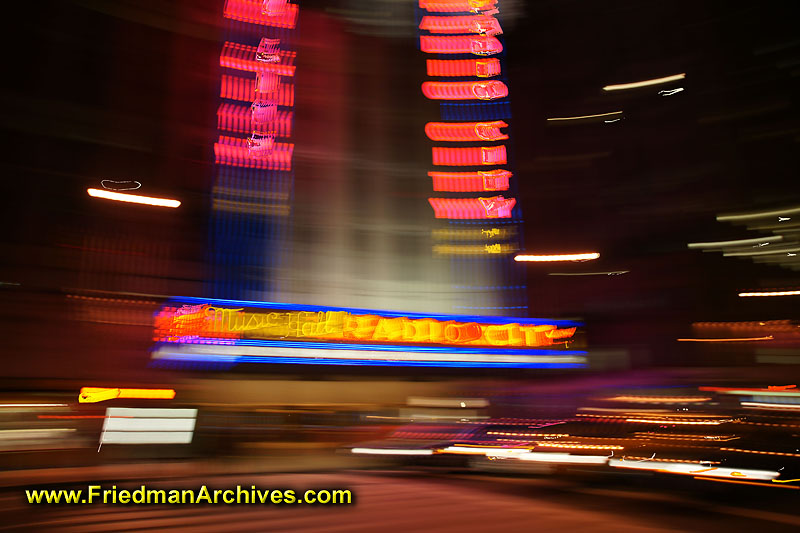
(479, 24)
(238, 118)
(493, 180)
(477, 44)
(454, 6)
(233, 152)
(483, 68)
(466, 131)
(243, 57)
(243, 89)
(250, 11)
(465, 90)
(475, 156)
(472, 208)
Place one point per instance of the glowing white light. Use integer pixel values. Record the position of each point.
(148, 426)
(670, 92)
(694, 469)
(133, 198)
(771, 293)
(645, 83)
(381, 451)
(761, 241)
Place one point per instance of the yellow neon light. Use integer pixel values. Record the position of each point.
(586, 116)
(102, 394)
(133, 198)
(341, 325)
(645, 83)
(563, 257)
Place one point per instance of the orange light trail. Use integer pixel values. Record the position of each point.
(133, 198)
(704, 478)
(739, 339)
(771, 293)
(644, 83)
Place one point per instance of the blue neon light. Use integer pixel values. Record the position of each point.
(461, 350)
(233, 359)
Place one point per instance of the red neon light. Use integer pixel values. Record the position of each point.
(465, 90)
(238, 118)
(460, 157)
(466, 131)
(492, 180)
(233, 151)
(243, 89)
(481, 45)
(243, 57)
(480, 24)
(257, 12)
(482, 68)
(456, 6)
(470, 208)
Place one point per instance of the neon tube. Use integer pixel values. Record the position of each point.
(481, 45)
(233, 152)
(472, 208)
(479, 24)
(475, 156)
(243, 90)
(101, 394)
(466, 131)
(482, 68)
(243, 57)
(133, 198)
(456, 6)
(237, 118)
(492, 180)
(465, 90)
(252, 11)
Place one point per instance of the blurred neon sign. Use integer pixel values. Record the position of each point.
(202, 324)
(482, 68)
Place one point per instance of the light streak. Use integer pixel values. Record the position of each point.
(456, 6)
(560, 257)
(691, 469)
(382, 451)
(581, 117)
(774, 406)
(768, 293)
(611, 273)
(133, 198)
(761, 214)
(658, 399)
(670, 92)
(773, 251)
(704, 478)
(644, 83)
(760, 452)
(32, 405)
(740, 242)
(739, 339)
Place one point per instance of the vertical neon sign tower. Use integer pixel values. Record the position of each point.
(253, 154)
(473, 186)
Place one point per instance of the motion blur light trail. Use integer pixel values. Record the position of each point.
(133, 198)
